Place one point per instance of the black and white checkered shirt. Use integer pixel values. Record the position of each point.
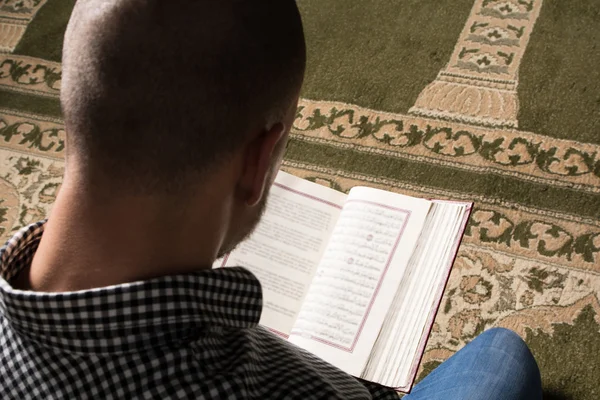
(181, 336)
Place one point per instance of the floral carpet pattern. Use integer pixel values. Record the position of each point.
(493, 101)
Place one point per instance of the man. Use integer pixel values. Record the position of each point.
(177, 114)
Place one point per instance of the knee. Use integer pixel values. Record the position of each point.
(503, 335)
(504, 339)
(513, 346)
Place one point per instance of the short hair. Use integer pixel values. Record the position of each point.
(157, 90)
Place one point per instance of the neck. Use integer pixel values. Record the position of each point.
(92, 241)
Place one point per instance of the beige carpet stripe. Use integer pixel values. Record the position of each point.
(445, 163)
(538, 262)
(32, 134)
(30, 75)
(509, 152)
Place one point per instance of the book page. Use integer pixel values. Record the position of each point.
(284, 250)
(358, 276)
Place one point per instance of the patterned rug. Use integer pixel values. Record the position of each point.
(492, 101)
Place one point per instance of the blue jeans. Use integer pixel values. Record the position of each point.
(495, 365)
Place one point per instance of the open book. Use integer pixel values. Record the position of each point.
(355, 279)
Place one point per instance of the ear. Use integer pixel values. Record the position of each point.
(261, 154)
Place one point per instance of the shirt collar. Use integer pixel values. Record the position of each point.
(129, 316)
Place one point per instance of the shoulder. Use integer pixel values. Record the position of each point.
(263, 365)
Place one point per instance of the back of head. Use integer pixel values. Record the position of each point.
(157, 91)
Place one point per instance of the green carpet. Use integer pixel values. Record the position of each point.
(492, 101)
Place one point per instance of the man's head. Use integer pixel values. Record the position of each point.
(171, 98)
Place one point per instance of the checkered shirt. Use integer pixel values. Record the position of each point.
(176, 337)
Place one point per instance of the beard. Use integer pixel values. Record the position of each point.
(244, 229)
